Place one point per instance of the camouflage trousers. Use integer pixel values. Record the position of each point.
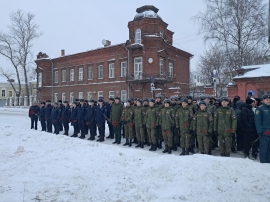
(152, 135)
(185, 140)
(128, 131)
(203, 142)
(168, 137)
(140, 134)
(225, 143)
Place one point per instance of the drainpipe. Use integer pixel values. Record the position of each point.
(127, 69)
(52, 78)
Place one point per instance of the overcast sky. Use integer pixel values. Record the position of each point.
(78, 26)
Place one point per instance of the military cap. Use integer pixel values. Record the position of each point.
(129, 100)
(152, 100)
(56, 103)
(167, 101)
(92, 100)
(81, 100)
(179, 99)
(60, 101)
(173, 98)
(117, 98)
(266, 96)
(77, 99)
(135, 99)
(139, 100)
(85, 100)
(203, 103)
(145, 100)
(158, 96)
(74, 103)
(189, 97)
(203, 98)
(100, 100)
(185, 100)
(224, 98)
(65, 101)
(42, 103)
(48, 100)
(111, 98)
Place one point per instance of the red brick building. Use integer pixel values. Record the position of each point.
(124, 70)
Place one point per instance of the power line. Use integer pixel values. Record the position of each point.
(190, 36)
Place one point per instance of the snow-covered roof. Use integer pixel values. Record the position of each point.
(147, 11)
(259, 71)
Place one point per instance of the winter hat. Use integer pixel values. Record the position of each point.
(236, 98)
(249, 101)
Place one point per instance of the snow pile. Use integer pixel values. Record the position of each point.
(52, 167)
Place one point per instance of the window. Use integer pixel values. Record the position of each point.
(64, 75)
(80, 95)
(71, 95)
(3, 93)
(40, 79)
(138, 36)
(56, 77)
(111, 70)
(100, 94)
(261, 93)
(171, 69)
(55, 97)
(80, 73)
(100, 71)
(123, 69)
(161, 34)
(63, 97)
(161, 65)
(90, 96)
(123, 95)
(10, 93)
(90, 73)
(72, 75)
(111, 94)
(138, 68)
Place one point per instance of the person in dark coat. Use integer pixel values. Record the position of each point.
(239, 131)
(81, 118)
(48, 116)
(55, 117)
(262, 122)
(33, 114)
(85, 120)
(110, 126)
(91, 119)
(235, 99)
(74, 119)
(61, 106)
(249, 129)
(42, 116)
(66, 117)
(100, 118)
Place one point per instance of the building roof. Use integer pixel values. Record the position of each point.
(147, 11)
(258, 71)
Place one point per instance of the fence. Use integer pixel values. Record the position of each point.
(21, 101)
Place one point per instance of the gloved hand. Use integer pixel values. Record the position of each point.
(215, 133)
(154, 125)
(68, 120)
(209, 134)
(87, 123)
(232, 134)
(75, 121)
(131, 124)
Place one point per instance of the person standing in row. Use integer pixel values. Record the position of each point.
(139, 113)
(159, 105)
(91, 119)
(65, 115)
(49, 108)
(55, 117)
(33, 115)
(60, 107)
(110, 126)
(128, 122)
(74, 119)
(100, 118)
(115, 118)
(81, 117)
(176, 135)
(42, 116)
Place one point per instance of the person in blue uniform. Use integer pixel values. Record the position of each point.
(33, 114)
(61, 106)
(42, 116)
(91, 119)
(262, 122)
(100, 118)
(55, 117)
(81, 118)
(49, 108)
(65, 115)
(110, 126)
(74, 119)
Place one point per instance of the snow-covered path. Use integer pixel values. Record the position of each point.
(38, 166)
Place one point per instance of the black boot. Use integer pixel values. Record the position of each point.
(74, 135)
(210, 152)
(169, 150)
(227, 155)
(102, 138)
(142, 144)
(151, 148)
(112, 136)
(222, 154)
(191, 149)
(183, 152)
(187, 151)
(127, 143)
(115, 142)
(82, 136)
(135, 140)
(99, 139)
(130, 143)
(138, 145)
(174, 148)
(154, 147)
(108, 137)
(159, 144)
(166, 149)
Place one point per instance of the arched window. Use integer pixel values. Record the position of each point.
(138, 36)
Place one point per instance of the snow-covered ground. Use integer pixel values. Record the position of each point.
(38, 166)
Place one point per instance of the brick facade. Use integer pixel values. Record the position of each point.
(155, 43)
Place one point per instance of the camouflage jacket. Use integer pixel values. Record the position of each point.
(166, 118)
(151, 118)
(203, 122)
(183, 119)
(139, 116)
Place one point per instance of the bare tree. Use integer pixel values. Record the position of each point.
(16, 45)
(240, 26)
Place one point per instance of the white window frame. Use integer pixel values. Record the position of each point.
(71, 75)
(80, 95)
(161, 34)
(40, 79)
(100, 71)
(64, 75)
(90, 72)
(171, 69)
(3, 91)
(138, 68)
(123, 95)
(100, 94)
(111, 94)
(55, 97)
(80, 74)
(123, 69)
(161, 66)
(11, 93)
(63, 96)
(90, 95)
(56, 77)
(111, 70)
(138, 38)
(71, 97)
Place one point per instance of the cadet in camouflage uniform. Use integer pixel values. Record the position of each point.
(152, 121)
(145, 107)
(176, 135)
(115, 118)
(167, 124)
(159, 105)
(183, 119)
(225, 123)
(139, 115)
(128, 122)
(202, 127)
(194, 108)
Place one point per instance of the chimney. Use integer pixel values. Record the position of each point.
(108, 43)
(63, 52)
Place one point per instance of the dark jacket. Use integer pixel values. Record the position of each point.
(262, 119)
(247, 119)
(42, 113)
(48, 111)
(81, 114)
(34, 112)
(55, 115)
(65, 114)
(238, 108)
(91, 114)
(74, 115)
(100, 118)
